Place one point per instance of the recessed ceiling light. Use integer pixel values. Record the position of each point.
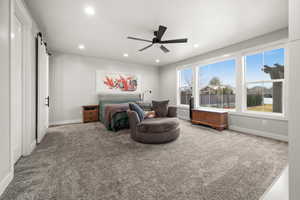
(226, 55)
(196, 45)
(157, 60)
(81, 47)
(89, 10)
(125, 55)
(12, 35)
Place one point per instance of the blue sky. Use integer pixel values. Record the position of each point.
(186, 76)
(255, 62)
(225, 70)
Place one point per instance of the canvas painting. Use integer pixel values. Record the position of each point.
(108, 82)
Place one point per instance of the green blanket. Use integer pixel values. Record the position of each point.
(119, 121)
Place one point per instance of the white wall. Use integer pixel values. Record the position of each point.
(294, 108)
(73, 83)
(6, 171)
(266, 127)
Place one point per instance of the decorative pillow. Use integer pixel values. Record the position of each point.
(160, 108)
(146, 106)
(138, 110)
(150, 114)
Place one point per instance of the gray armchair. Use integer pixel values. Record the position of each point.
(154, 130)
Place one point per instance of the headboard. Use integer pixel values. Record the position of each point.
(114, 100)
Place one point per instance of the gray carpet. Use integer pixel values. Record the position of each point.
(86, 162)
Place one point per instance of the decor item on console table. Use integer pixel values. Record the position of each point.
(90, 113)
(142, 95)
(215, 119)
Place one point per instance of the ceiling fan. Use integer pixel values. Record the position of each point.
(157, 40)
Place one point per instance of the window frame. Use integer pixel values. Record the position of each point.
(178, 77)
(246, 83)
(241, 90)
(208, 62)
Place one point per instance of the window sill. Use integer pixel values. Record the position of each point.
(279, 117)
(182, 106)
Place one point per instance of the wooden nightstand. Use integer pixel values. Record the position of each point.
(90, 113)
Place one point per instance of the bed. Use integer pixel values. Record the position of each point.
(113, 112)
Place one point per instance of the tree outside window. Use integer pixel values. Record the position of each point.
(217, 85)
(264, 81)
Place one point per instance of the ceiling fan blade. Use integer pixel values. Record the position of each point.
(139, 39)
(174, 41)
(164, 49)
(161, 32)
(146, 47)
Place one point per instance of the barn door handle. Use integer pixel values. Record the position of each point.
(47, 101)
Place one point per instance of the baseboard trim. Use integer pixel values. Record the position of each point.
(259, 133)
(32, 147)
(66, 122)
(5, 182)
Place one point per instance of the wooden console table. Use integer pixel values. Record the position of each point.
(215, 119)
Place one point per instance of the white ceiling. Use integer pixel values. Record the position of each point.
(210, 23)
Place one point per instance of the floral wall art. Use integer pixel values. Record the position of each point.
(108, 82)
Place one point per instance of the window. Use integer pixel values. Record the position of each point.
(216, 85)
(185, 85)
(260, 79)
(264, 76)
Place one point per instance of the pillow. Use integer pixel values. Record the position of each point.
(138, 110)
(146, 106)
(160, 108)
(150, 114)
